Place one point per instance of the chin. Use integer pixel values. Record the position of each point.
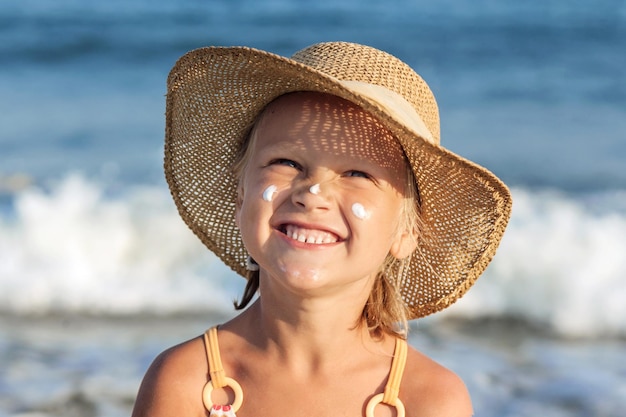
(302, 275)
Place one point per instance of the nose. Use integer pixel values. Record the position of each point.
(312, 196)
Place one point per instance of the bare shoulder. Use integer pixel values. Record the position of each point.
(429, 389)
(173, 383)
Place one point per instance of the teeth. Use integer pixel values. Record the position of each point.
(309, 236)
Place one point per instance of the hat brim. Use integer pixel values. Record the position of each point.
(214, 96)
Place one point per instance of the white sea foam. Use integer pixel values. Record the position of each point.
(72, 249)
(561, 263)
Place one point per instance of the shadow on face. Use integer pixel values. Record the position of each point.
(332, 125)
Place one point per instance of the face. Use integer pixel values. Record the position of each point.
(322, 194)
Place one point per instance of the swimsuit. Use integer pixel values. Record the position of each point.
(218, 379)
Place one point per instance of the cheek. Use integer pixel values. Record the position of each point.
(257, 201)
(383, 218)
(268, 193)
(360, 212)
(249, 220)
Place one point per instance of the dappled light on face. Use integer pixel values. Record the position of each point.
(329, 124)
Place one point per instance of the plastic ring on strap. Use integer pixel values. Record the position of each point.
(377, 399)
(230, 383)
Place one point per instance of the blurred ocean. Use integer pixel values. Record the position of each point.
(97, 271)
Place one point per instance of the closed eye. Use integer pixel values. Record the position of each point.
(354, 173)
(285, 162)
(358, 174)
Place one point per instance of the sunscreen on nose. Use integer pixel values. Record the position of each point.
(359, 211)
(315, 189)
(268, 194)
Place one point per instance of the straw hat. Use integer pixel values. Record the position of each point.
(215, 94)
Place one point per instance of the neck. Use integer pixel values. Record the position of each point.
(309, 334)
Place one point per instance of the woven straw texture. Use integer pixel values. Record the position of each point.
(214, 96)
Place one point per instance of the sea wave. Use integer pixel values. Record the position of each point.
(76, 248)
(72, 248)
(561, 264)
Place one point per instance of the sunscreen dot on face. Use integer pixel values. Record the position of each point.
(315, 189)
(268, 194)
(359, 211)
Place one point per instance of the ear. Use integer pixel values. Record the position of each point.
(238, 203)
(404, 244)
(238, 216)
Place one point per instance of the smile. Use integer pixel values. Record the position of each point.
(317, 237)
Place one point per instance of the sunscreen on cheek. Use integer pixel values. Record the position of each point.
(359, 211)
(268, 194)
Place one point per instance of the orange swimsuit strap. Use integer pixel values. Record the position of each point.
(218, 378)
(217, 375)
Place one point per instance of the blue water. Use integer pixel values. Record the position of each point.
(533, 90)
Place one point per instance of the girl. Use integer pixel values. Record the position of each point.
(320, 179)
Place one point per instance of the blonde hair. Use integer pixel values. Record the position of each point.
(385, 310)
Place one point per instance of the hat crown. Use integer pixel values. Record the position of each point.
(353, 62)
